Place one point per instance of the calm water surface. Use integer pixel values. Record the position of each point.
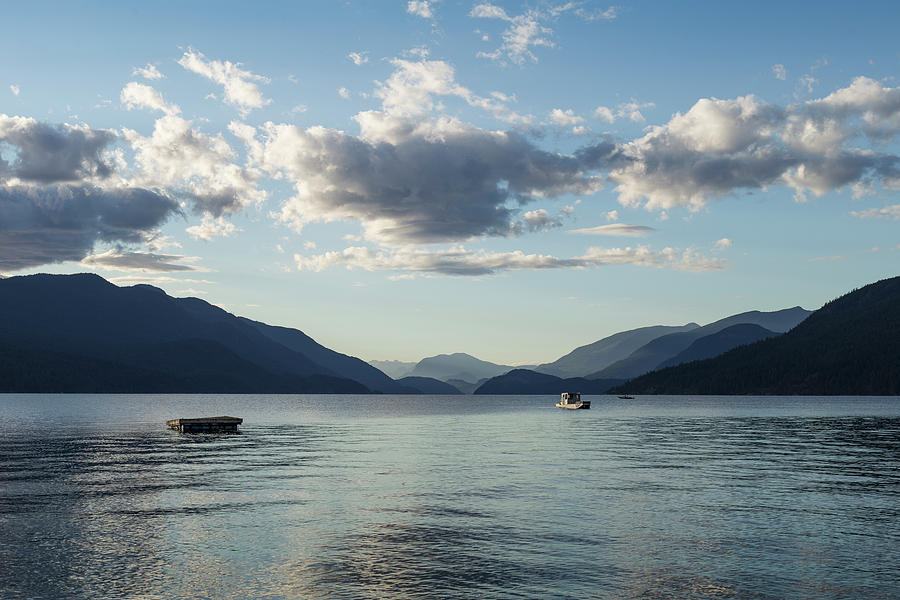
(450, 497)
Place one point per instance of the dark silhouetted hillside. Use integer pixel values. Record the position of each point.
(428, 385)
(526, 382)
(187, 343)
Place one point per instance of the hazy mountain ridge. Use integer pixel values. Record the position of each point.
(457, 366)
(850, 346)
(396, 369)
(651, 355)
(719, 343)
(598, 355)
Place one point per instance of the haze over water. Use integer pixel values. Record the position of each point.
(450, 497)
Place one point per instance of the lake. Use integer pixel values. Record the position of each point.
(450, 497)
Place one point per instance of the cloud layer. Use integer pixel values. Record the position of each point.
(462, 262)
(721, 146)
(53, 223)
(238, 83)
(421, 181)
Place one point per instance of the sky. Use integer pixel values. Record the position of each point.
(400, 179)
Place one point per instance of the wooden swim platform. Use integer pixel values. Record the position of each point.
(205, 424)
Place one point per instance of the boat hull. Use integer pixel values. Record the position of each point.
(575, 405)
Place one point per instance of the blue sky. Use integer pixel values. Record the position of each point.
(401, 179)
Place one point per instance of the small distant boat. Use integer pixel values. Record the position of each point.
(626, 397)
(572, 401)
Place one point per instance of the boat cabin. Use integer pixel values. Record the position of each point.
(570, 397)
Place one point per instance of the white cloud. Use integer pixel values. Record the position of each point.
(612, 215)
(156, 280)
(626, 110)
(724, 244)
(240, 91)
(300, 108)
(121, 260)
(194, 165)
(411, 88)
(344, 93)
(808, 81)
(421, 181)
(138, 95)
(421, 8)
(779, 71)
(632, 110)
(607, 14)
(888, 212)
(211, 228)
(149, 71)
(359, 58)
(565, 117)
(540, 219)
(604, 113)
(617, 229)
(826, 258)
(462, 262)
(523, 32)
(721, 146)
(14, 89)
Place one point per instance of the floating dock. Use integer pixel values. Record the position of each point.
(205, 424)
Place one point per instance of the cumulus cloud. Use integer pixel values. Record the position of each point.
(240, 89)
(721, 146)
(344, 93)
(46, 153)
(122, 260)
(421, 8)
(194, 165)
(617, 229)
(565, 117)
(411, 89)
(531, 28)
(462, 262)
(724, 244)
(148, 71)
(604, 113)
(779, 71)
(887, 212)
(540, 219)
(212, 227)
(421, 181)
(43, 224)
(612, 215)
(138, 95)
(626, 110)
(523, 32)
(14, 89)
(359, 58)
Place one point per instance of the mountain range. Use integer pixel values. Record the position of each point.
(602, 353)
(850, 346)
(82, 333)
(664, 348)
